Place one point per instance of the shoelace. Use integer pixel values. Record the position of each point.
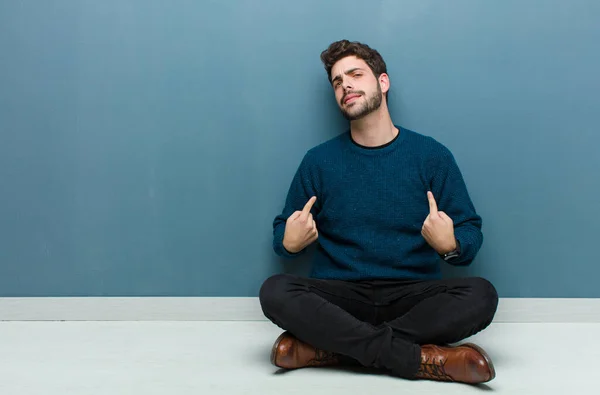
(434, 370)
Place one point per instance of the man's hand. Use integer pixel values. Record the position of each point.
(438, 229)
(300, 229)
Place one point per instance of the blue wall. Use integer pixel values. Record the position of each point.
(145, 146)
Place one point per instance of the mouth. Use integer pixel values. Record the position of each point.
(351, 98)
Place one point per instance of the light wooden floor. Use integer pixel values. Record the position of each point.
(201, 358)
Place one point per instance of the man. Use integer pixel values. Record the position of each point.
(387, 206)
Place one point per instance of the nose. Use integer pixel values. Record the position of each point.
(347, 84)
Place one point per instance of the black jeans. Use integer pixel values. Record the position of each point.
(379, 323)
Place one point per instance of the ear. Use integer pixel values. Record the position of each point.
(384, 81)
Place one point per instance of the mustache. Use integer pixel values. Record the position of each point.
(351, 93)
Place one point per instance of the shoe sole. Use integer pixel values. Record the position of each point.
(486, 357)
(275, 346)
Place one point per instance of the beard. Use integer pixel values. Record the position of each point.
(358, 111)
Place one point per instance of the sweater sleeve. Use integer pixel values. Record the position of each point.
(452, 197)
(299, 193)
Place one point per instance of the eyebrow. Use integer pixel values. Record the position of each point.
(339, 76)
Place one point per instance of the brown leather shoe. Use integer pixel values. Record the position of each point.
(467, 363)
(290, 353)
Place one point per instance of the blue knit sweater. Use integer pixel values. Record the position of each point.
(371, 205)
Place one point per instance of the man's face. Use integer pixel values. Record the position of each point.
(357, 91)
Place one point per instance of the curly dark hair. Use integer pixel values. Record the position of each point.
(341, 49)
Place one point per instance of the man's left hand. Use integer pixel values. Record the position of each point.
(438, 229)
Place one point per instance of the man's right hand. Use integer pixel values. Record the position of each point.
(300, 229)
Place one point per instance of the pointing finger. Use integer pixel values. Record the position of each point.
(432, 204)
(307, 207)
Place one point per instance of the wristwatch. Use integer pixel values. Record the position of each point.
(452, 254)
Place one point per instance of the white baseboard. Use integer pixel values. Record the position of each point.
(248, 309)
